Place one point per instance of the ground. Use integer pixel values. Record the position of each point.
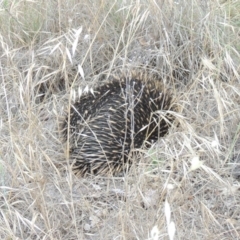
(186, 186)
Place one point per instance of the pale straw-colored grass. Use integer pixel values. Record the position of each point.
(187, 185)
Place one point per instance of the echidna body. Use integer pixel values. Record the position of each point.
(102, 127)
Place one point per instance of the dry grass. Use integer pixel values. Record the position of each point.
(187, 185)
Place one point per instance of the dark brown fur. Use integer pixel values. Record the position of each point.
(120, 116)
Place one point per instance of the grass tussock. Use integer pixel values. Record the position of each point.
(187, 185)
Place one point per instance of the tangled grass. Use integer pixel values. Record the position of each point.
(186, 186)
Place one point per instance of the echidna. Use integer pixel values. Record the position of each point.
(103, 125)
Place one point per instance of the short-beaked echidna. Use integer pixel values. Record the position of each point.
(103, 125)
